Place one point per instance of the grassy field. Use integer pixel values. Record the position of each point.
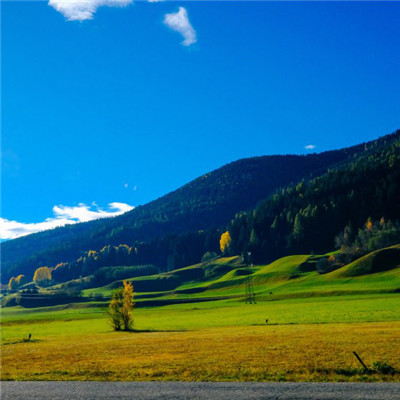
(308, 339)
(315, 322)
(284, 278)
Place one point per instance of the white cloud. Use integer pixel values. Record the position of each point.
(179, 22)
(81, 10)
(310, 147)
(63, 215)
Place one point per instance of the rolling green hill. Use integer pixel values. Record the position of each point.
(379, 261)
(226, 278)
(180, 227)
(284, 278)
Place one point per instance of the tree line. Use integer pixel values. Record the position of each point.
(208, 202)
(164, 254)
(299, 218)
(306, 217)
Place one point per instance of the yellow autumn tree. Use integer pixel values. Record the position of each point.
(369, 224)
(42, 276)
(120, 309)
(225, 242)
(92, 253)
(127, 307)
(20, 279)
(12, 284)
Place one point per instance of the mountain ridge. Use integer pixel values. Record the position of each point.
(209, 201)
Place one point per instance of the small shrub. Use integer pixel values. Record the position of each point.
(98, 296)
(209, 255)
(383, 368)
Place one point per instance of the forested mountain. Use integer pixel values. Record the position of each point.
(166, 228)
(305, 217)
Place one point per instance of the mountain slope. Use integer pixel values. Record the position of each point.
(209, 201)
(306, 217)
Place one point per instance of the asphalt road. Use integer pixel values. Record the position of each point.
(198, 390)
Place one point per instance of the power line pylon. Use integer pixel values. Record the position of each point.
(250, 296)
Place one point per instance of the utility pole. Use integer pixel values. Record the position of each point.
(250, 296)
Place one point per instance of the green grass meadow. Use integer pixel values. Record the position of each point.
(315, 322)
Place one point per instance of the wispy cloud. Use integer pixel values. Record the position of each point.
(62, 215)
(310, 147)
(81, 10)
(179, 22)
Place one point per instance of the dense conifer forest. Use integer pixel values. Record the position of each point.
(306, 217)
(302, 203)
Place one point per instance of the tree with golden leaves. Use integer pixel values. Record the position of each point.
(332, 259)
(120, 309)
(42, 276)
(225, 242)
(369, 225)
(12, 284)
(20, 279)
(127, 307)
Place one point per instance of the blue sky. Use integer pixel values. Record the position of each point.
(117, 110)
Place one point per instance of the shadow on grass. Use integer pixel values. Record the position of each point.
(351, 371)
(22, 341)
(154, 330)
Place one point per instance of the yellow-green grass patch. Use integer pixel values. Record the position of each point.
(308, 339)
(256, 353)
